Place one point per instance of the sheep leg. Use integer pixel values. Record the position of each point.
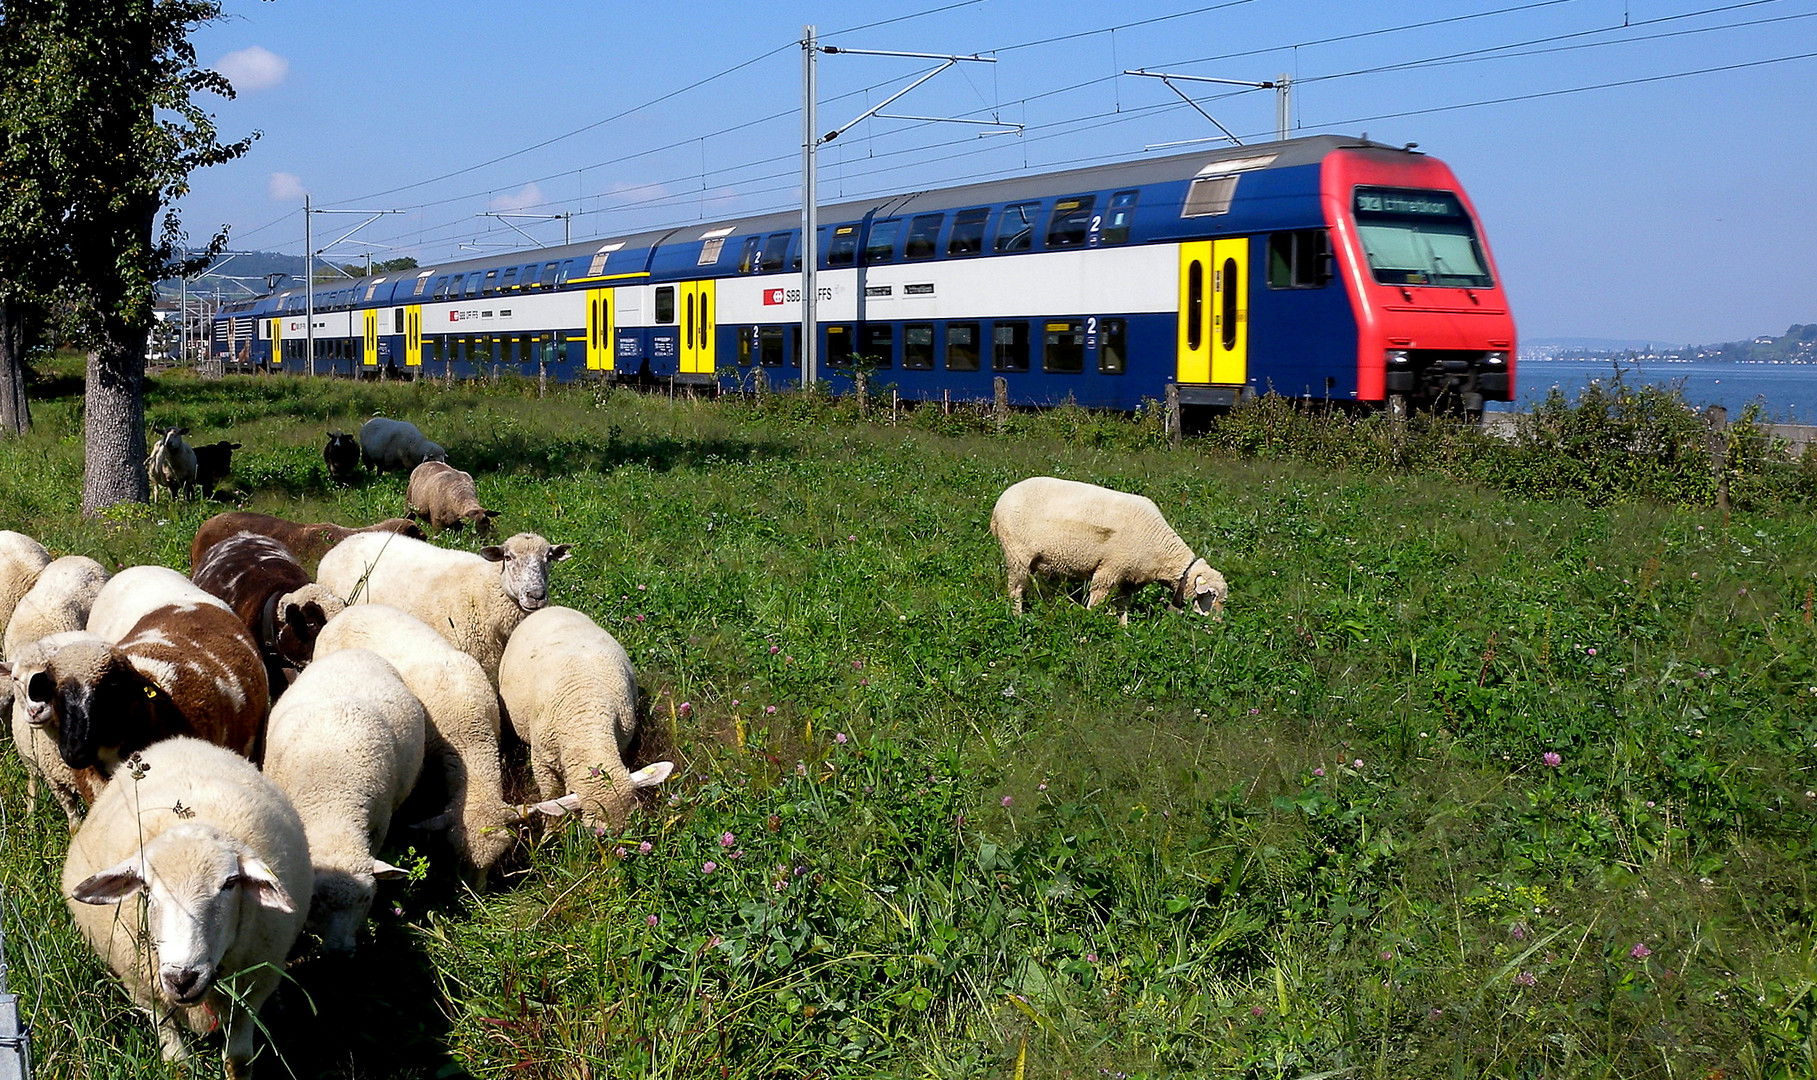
(1018, 581)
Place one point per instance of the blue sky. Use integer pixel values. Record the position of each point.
(1643, 168)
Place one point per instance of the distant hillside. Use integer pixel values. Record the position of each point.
(1798, 345)
(239, 276)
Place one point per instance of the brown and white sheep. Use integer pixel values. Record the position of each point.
(136, 591)
(190, 879)
(447, 498)
(308, 542)
(273, 596)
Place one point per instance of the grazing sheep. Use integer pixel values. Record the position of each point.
(346, 744)
(306, 542)
(1117, 541)
(446, 498)
(272, 594)
(21, 561)
(172, 464)
(570, 694)
(461, 755)
(190, 879)
(185, 669)
(133, 592)
(35, 732)
(473, 600)
(343, 456)
(60, 600)
(396, 444)
(214, 462)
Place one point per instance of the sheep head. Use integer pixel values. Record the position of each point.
(524, 573)
(101, 703)
(342, 899)
(1203, 589)
(300, 618)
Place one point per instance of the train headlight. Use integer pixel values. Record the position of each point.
(1495, 359)
(1396, 356)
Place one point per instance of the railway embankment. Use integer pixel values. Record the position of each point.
(1797, 437)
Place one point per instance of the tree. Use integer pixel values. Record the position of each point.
(103, 118)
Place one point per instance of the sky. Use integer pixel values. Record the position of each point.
(1643, 169)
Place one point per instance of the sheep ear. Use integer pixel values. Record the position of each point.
(490, 514)
(264, 885)
(567, 804)
(110, 886)
(234, 446)
(6, 670)
(651, 775)
(384, 871)
(492, 553)
(559, 552)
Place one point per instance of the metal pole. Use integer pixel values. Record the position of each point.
(810, 212)
(308, 285)
(1283, 107)
(15, 1036)
(183, 324)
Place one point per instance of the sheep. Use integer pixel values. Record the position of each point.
(570, 694)
(22, 559)
(462, 745)
(343, 456)
(35, 732)
(473, 600)
(220, 864)
(396, 444)
(306, 542)
(133, 592)
(1117, 541)
(446, 498)
(272, 594)
(214, 462)
(184, 669)
(346, 744)
(172, 464)
(60, 600)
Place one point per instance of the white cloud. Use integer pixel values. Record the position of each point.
(253, 68)
(285, 187)
(526, 196)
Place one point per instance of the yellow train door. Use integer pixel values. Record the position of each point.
(600, 336)
(1193, 347)
(413, 336)
(277, 342)
(369, 338)
(698, 312)
(1229, 338)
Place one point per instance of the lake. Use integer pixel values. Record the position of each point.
(1787, 393)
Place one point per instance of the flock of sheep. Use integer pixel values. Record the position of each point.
(231, 747)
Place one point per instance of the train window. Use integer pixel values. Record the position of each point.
(509, 281)
(747, 257)
(1063, 347)
(918, 346)
(1113, 346)
(1116, 220)
(967, 237)
(795, 345)
(422, 279)
(566, 272)
(1016, 228)
(962, 346)
(881, 247)
(769, 345)
(1209, 195)
(709, 250)
(1230, 291)
(439, 290)
(1009, 346)
(775, 251)
(397, 320)
(747, 336)
(880, 344)
(1299, 260)
(1420, 237)
(1195, 305)
(839, 346)
(1071, 221)
(547, 280)
(923, 237)
(844, 249)
(490, 285)
(473, 281)
(665, 305)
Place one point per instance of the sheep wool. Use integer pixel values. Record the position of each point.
(21, 560)
(137, 591)
(60, 601)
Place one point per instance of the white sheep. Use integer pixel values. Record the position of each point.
(1117, 541)
(473, 600)
(137, 591)
(346, 744)
(569, 693)
(396, 444)
(60, 600)
(190, 878)
(35, 732)
(21, 560)
(461, 750)
(172, 463)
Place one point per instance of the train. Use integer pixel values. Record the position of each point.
(1324, 268)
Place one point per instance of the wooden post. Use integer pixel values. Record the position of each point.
(862, 379)
(895, 406)
(1000, 392)
(1717, 418)
(760, 383)
(1171, 421)
(946, 402)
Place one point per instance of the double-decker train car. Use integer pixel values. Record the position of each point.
(1323, 268)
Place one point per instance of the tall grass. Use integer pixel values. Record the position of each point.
(1469, 781)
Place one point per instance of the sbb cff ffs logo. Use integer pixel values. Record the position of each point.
(773, 297)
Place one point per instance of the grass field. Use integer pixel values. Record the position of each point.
(1467, 782)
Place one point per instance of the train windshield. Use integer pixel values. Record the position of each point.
(1416, 237)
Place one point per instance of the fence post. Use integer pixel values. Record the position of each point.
(1717, 417)
(1170, 421)
(946, 403)
(862, 379)
(1000, 394)
(760, 384)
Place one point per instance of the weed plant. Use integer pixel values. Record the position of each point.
(1486, 772)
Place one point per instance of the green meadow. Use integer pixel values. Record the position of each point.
(1499, 764)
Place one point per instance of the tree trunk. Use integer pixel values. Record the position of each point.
(15, 411)
(114, 423)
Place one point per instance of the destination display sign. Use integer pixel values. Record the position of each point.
(1412, 203)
